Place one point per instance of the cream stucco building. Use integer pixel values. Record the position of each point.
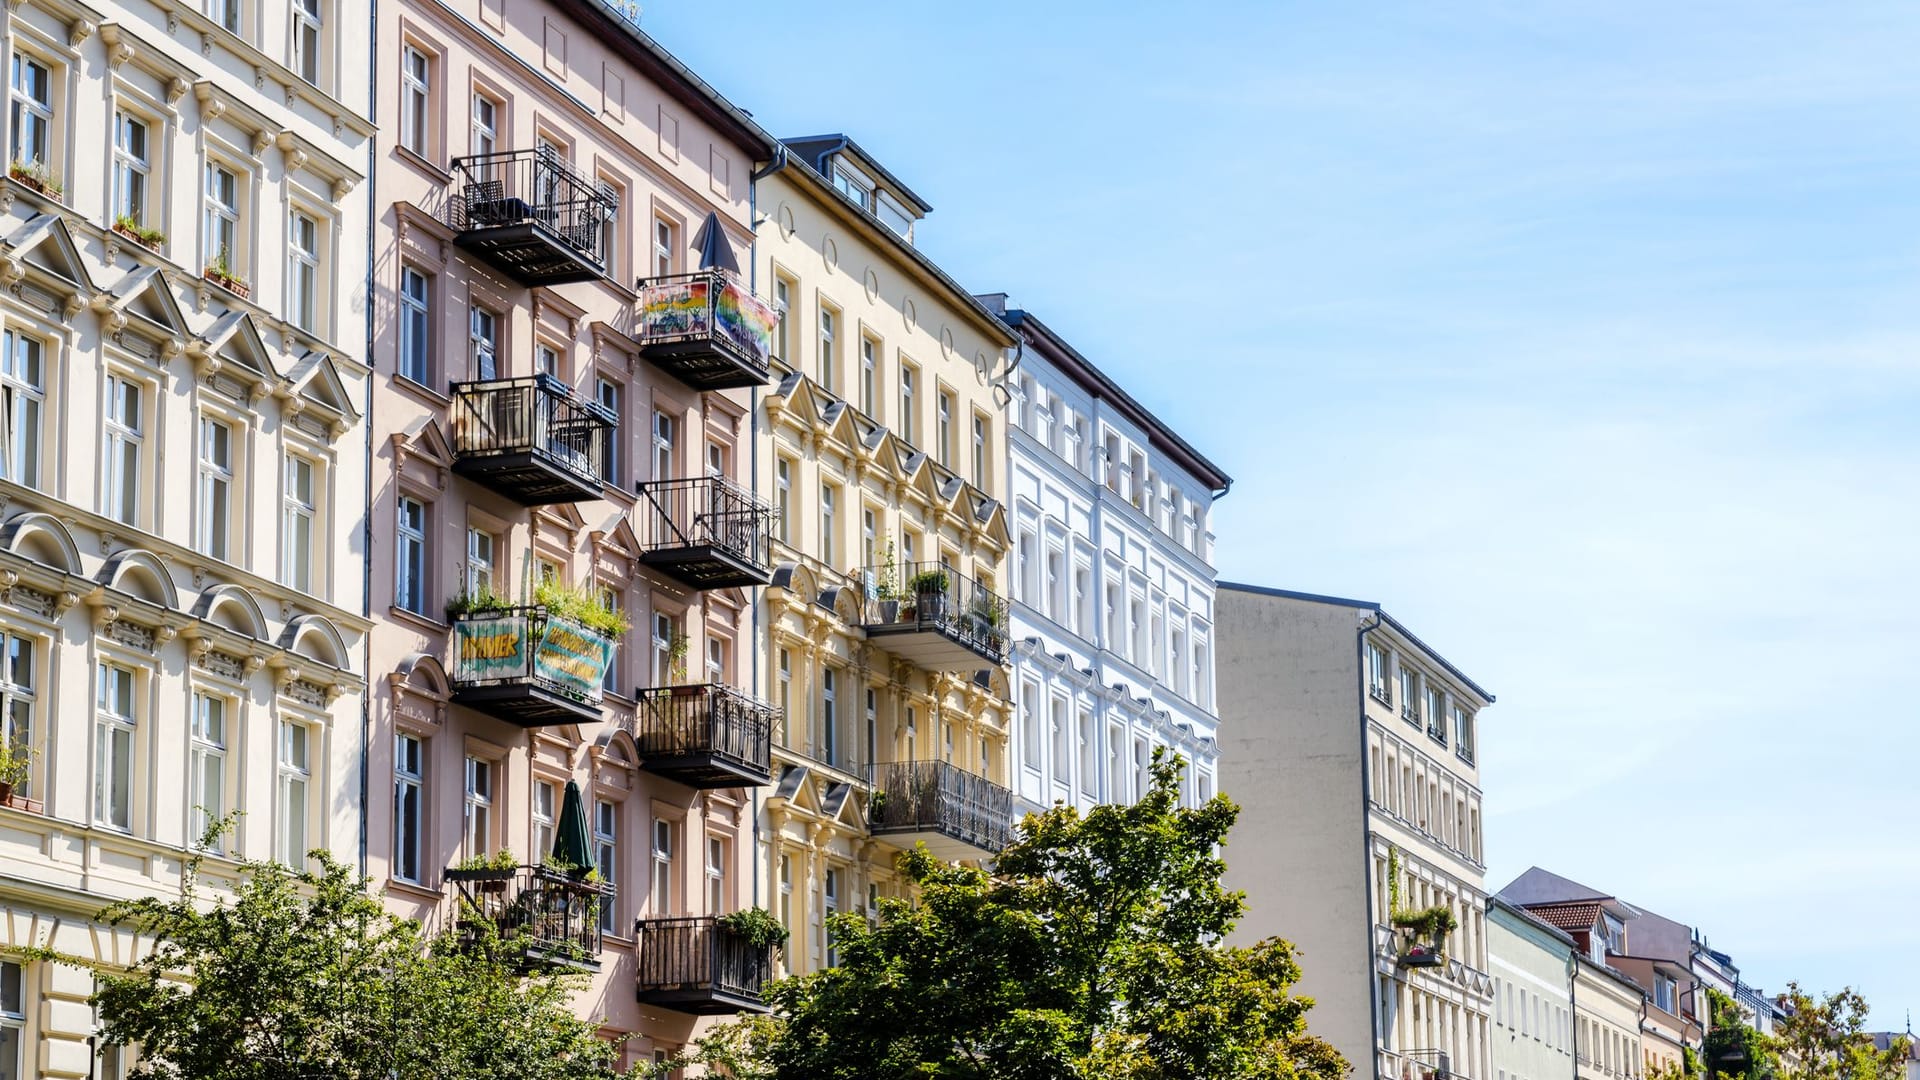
(182, 468)
(1532, 964)
(881, 448)
(1350, 746)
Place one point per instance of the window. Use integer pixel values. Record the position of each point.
(544, 801)
(1089, 751)
(483, 342)
(123, 439)
(297, 524)
(32, 112)
(19, 700)
(662, 866)
(307, 40)
(477, 835)
(869, 375)
(131, 166)
(416, 96)
(786, 892)
(1663, 987)
(785, 694)
(830, 906)
(664, 631)
(479, 569)
(906, 402)
(114, 729)
(605, 852)
(296, 781)
(828, 348)
(222, 206)
(1377, 673)
(1463, 732)
(873, 724)
(943, 435)
(783, 499)
(664, 446)
(225, 14)
(216, 488)
(410, 573)
(409, 832)
(607, 393)
(716, 875)
(869, 537)
(13, 1019)
(829, 718)
(1062, 759)
(716, 660)
(486, 121)
(829, 503)
(23, 397)
(415, 324)
(303, 271)
(1437, 714)
(1029, 725)
(782, 297)
(980, 436)
(208, 764)
(546, 359)
(665, 244)
(1409, 696)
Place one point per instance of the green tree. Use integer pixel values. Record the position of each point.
(1094, 950)
(1732, 1048)
(305, 974)
(1824, 1037)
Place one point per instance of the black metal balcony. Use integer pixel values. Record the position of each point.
(529, 440)
(695, 965)
(707, 533)
(706, 736)
(937, 618)
(527, 667)
(531, 216)
(706, 329)
(546, 917)
(957, 814)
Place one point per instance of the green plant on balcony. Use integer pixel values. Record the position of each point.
(36, 175)
(480, 601)
(490, 872)
(928, 582)
(499, 860)
(219, 270)
(16, 765)
(989, 611)
(876, 806)
(581, 606)
(757, 925)
(140, 234)
(886, 585)
(677, 645)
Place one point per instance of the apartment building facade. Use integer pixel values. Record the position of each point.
(564, 349)
(1112, 584)
(882, 450)
(1532, 967)
(182, 377)
(1350, 746)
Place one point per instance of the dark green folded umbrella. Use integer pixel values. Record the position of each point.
(571, 844)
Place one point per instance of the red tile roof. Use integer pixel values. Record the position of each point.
(1572, 915)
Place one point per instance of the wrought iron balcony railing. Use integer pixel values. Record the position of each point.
(529, 667)
(530, 215)
(936, 617)
(958, 814)
(694, 964)
(546, 916)
(705, 736)
(708, 533)
(530, 440)
(706, 329)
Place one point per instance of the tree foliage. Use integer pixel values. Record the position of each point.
(305, 974)
(1732, 1049)
(1824, 1037)
(1095, 950)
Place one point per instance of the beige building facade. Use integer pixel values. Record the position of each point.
(563, 370)
(1607, 1013)
(881, 447)
(1350, 746)
(1532, 968)
(182, 377)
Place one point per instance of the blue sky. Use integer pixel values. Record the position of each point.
(1583, 336)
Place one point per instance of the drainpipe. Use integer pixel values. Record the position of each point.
(778, 162)
(366, 526)
(1366, 847)
(1573, 1005)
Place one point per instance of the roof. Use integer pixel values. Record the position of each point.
(1580, 915)
(1538, 886)
(1534, 920)
(816, 149)
(1364, 605)
(1083, 371)
(690, 90)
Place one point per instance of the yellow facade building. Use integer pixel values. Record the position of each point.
(881, 449)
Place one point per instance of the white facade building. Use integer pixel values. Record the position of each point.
(1113, 584)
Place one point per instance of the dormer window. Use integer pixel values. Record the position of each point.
(856, 186)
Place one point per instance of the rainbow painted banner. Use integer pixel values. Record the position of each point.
(573, 658)
(708, 306)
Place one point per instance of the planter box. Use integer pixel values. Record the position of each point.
(233, 285)
(150, 245)
(36, 185)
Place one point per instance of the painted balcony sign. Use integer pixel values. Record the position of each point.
(745, 320)
(710, 305)
(573, 658)
(491, 649)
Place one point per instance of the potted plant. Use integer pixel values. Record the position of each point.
(490, 873)
(219, 270)
(151, 239)
(16, 766)
(36, 175)
(886, 585)
(481, 601)
(1424, 934)
(988, 613)
(929, 590)
(677, 644)
(582, 607)
(755, 924)
(877, 806)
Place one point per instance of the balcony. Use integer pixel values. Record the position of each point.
(530, 216)
(957, 814)
(527, 667)
(709, 736)
(940, 620)
(707, 533)
(546, 917)
(706, 329)
(694, 965)
(529, 440)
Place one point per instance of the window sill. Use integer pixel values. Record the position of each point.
(423, 391)
(425, 623)
(422, 164)
(414, 889)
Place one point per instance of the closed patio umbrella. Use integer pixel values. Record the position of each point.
(715, 252)
(571, 844)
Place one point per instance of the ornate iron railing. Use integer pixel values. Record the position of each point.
(696, 952)
(541, 911)
(710, 718)
(538, 417)
(935, 796)
(933, 596)
(707, 511)
(510, 188)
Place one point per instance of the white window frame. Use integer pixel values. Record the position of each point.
(30, 113)
(305, 287)
(132, 167)
(229, 15)
(23, 406)
(221, 217)
(477, 573)
(660, 891)
(208, 737)
(409, 807)
(829, 716)
(410, 557)
(293, 791)
(544, 803)
(484, 117)
(666, 244)
(19, 697)
(299, 522)
(480, 779)
(116, 733)
(716, 875)
(665, 445)
(869, 375)
(416, 99)
(606, 854)
(218, 488)
(309, 41)
(13, 1016)
(829, 346)
(416, 325)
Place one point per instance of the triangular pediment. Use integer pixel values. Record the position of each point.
(143, 296)
(991, 514)
(622, 540)
(317, 381)
(42, 249)
(426, 441)
(235, 341)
